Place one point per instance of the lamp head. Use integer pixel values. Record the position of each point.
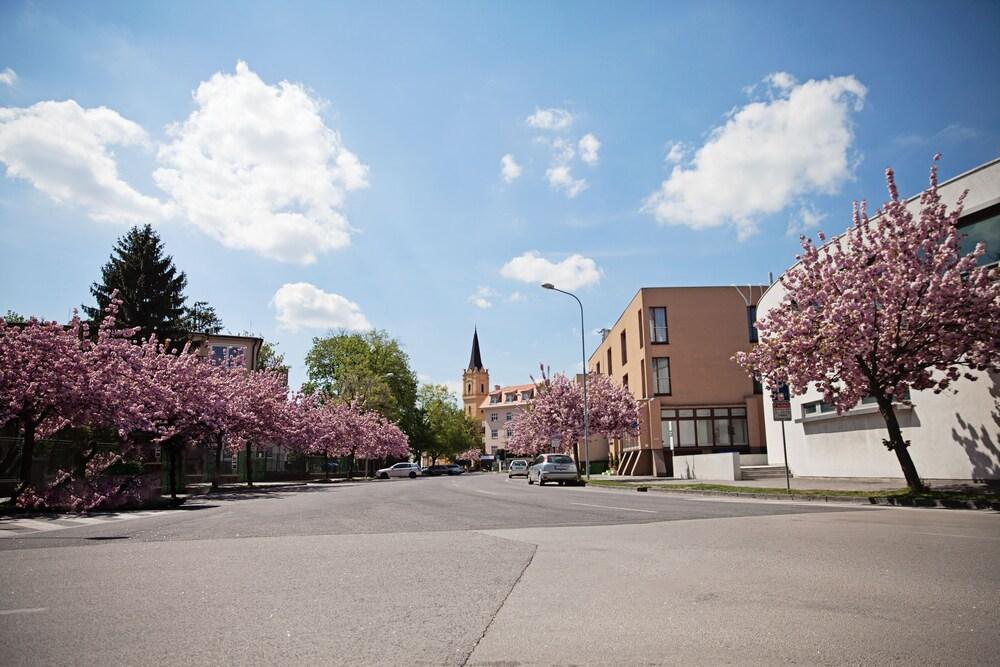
(548, 286)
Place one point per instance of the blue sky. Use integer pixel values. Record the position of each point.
(350, 172)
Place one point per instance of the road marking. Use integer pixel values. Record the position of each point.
(971, 537)
(609, 507)
(32, 610)
(26, 527)
(492, 493)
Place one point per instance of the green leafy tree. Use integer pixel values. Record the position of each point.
(269, 359)
(202, 318)
(14, 318)
(149, 285)
(448, 431)
(368, 368)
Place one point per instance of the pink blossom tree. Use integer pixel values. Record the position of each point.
(557, 414)
(43, 382)
(889, 305)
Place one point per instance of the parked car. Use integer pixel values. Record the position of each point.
(410, 470)
(454, 469)
(434, 470)
(552, 468)
(518, 468)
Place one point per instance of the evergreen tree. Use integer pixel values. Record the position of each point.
(202, 318)
(149, 285)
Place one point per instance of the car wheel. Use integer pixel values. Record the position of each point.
(384, 475)
(529, 479)
(413, 475)
(510, 477)
(541, 480)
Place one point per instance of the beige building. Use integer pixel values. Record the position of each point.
(673, 347)
(499, 409)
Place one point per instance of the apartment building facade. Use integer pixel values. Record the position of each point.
(500, 408)
(672, 347)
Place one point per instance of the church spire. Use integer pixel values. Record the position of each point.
(475, 359)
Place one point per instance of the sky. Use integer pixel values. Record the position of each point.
(422, 167)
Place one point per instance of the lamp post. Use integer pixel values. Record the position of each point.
(583, 349)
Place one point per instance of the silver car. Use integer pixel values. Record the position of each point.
(410, 470)
(552, 468)
(518, 468)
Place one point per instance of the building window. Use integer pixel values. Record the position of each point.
(624, 349)
(758, 388)
(229, 355)
(609, 361)
(482, 388)
(639, 314)
(981, 226)
(494, 398)
(752, 322)
(510, 415)
(598, 368)
(661, 375)
(468, 388)
(625, 380)
(509, 433)
(704, 427)
(493, 416)
(642, 373)
(468, 409)
(526, 395)
(493, 434)
(658, 325)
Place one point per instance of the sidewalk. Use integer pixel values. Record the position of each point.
(807, 483)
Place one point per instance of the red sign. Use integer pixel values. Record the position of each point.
(782, 411)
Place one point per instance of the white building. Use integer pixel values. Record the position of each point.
(953, 435)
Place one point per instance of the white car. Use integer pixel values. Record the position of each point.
(552, 468)
(410, 470)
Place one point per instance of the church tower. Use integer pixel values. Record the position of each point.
(475, 382)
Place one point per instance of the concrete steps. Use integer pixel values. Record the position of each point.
(761, 472)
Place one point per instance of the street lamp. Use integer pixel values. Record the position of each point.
(583, 348)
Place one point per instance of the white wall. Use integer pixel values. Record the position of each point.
(724, 466)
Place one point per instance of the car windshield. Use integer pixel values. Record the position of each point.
(559, 458)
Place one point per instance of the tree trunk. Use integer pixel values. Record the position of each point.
(7, 465)
(249, 464)
(350, 467)
(173, 472)
(27, 452)
(895, 443)
(218, 462)
(326, 465)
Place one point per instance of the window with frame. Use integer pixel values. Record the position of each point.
(510, 415)
(624, 341)
(493, 434)
(704, 427)
(510, 432)
(609, 360)
(642, 375)
(661, 375)
(658, 325)
(639, 315)
(625, 380)
(981, 226)
(752, 323)
(228, 355)
(493, 416)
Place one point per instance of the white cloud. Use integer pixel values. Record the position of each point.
(509, 168)
(676, 153)
(255, 167)
(766, 155)
(550, 119)
(808, 218)
(589, 147)
(561, 178)
(481, 298)
(8, 77)
(62, 150)
(304, 306)
(574, 271)
(515, 297)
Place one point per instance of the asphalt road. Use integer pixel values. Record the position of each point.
(484, 570)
